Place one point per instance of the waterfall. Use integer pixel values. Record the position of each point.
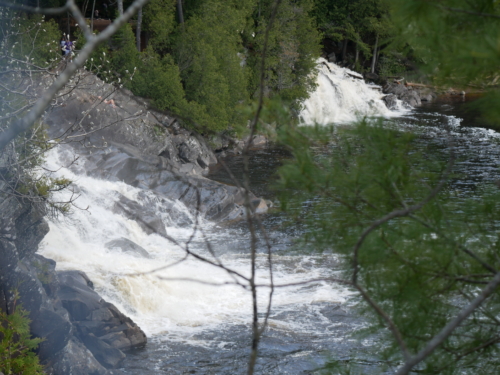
(169, 304)
(341, 96)
(170, 309)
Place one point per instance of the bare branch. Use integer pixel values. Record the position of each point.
(450, 327)
(27, 121)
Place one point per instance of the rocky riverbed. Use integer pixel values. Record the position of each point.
(83, 334)
(131, 143)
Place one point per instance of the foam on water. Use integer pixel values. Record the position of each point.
(173, 308)
(341, 98)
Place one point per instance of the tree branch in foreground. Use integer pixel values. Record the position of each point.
(450, 327)
(40, 106)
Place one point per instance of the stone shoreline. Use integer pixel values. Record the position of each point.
(83, 333)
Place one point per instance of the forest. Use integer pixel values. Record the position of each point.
(200, 59)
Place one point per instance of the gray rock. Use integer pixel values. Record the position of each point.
(74, 359)
(135, 123)
(117, 340)
(391, 101)
(127, 246)
(106, 355)
(146, 217)
(44, 269)
(95, 317)
(76, 295)
(259, 141)
(55, 330)
(31, 228)
(372, 76)
(410, 97)
(396, 89)
(260, 206)
(332, 58)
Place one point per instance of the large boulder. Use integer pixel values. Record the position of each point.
(412, 98)
(391, 101)
(127, 246)
(106, 355)
(99, 324)
(407, 95)
(74, 359)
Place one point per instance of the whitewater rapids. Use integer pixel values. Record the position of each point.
(341, 96)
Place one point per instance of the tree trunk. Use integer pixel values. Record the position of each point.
(85, 5)
(67, 13)
(92, 17)
(138, 29)
(120, 7)
(357, 54)
(344, 50)
(180, 14)
(374, 59)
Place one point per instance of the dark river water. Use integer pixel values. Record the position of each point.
(304, 333)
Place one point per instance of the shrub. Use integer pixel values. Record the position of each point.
(17, 356)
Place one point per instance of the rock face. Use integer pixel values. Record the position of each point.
(411, 96)
(406, 95)
(83, 334)
(143, 148)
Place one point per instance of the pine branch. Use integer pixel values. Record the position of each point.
(450, 327)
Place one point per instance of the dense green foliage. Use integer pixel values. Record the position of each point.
(457, 41)
(421, 267)
(17, 355)
(360, 23)
(207, 69)
(381, 199)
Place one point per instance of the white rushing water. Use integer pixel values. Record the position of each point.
(176, 308)
(169, 309)
(341, 96)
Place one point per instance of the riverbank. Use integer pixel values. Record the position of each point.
(126, 142)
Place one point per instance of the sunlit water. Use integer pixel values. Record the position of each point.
(342, 96)
(196, 327)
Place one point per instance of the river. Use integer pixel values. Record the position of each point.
(197, 328)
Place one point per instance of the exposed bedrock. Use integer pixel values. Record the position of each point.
(83, 334)
(143, 148)
(410, 95)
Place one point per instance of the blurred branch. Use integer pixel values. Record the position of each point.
(40, 106)
(450, 327)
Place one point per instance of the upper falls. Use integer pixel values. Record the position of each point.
(341, 96)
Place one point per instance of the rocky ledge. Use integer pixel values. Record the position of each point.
(127, 141)
(412, 96)
(83, 334)
(145, 148)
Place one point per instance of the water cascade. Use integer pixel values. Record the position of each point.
(179, 305)
(173, 308)
(341, 96)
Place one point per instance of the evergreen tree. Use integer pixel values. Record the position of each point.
(293, 47)
(457, 41)
(208, 55)
(423, 261)
(17, 356)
